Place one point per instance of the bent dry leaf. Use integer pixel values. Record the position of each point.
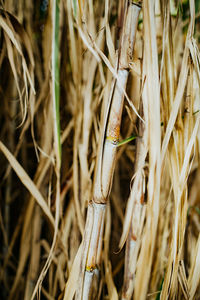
(28, 183)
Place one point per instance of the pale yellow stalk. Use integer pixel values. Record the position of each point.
(106, 160)
(135, 213)
(150, 64)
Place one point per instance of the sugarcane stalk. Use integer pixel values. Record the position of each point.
(138, 214)
(106, 157)
(136, 210)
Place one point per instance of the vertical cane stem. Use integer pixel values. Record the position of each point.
(105, 170)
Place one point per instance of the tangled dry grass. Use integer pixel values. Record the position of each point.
(99, 149)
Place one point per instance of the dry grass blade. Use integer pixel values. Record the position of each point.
(26, 180)
(152, 212)
(57, 138)
(194, 275)
(181, 84)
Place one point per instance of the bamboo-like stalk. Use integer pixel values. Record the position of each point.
(105, 163)
(135, 210)
(136, 200)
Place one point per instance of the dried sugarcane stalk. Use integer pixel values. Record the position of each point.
(105, 164)
(138, 212)
(135, 212)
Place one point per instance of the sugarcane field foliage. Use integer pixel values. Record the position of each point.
(100, 149)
